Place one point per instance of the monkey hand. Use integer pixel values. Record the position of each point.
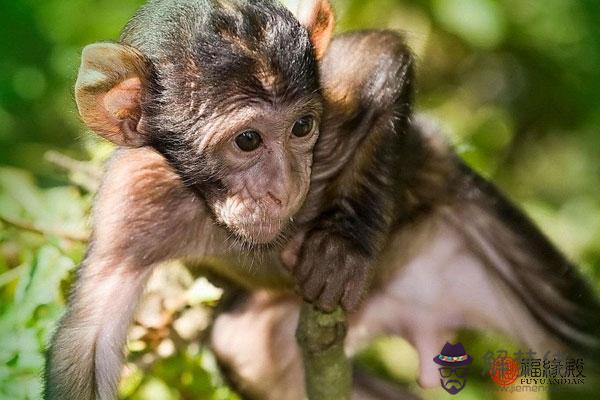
(330, 271)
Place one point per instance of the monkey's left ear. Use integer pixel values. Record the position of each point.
(317, 16)
(108, 92)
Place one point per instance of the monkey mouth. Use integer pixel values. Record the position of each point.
(254, 231)
(259, 233)
(251, 223)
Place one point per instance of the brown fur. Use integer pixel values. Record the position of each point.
(457, 255)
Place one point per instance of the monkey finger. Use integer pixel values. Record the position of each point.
(290, 255)
(334, 290)
(314, 285)
(304, 269)
(289, 258)
(309, 252)
(353, 293)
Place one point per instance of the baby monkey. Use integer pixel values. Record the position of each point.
(216, 107)
(235, 118)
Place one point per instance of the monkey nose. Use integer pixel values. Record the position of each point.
(274, 199)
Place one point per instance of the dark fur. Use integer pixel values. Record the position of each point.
(574, 315)
(378, 186)
(405, 176)
(202, 41)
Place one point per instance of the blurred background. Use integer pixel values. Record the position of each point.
(514, 83)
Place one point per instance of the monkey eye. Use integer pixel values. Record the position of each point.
(304, 126)
(248, 140)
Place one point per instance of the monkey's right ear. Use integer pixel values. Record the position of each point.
(317, 16)
(108, 91)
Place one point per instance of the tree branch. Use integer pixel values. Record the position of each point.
(327, 370)
(27, 226)
(82, 173)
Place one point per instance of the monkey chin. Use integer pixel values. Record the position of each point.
(250, 224)
(259, 234)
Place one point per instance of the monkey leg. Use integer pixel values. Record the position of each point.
(255, 343)
(425, 295)
(143, 215)
(442, 285)
(85, 354)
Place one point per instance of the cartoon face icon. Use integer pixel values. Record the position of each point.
(453, 379)
(453, 361)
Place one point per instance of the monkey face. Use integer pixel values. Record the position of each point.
(264, 157)
(228, 93)
(249, 161)
(237, 115)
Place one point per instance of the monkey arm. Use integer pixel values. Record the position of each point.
(140, 205)
(363, 167)
(85, 355)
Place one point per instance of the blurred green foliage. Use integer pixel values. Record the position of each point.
(515, 84)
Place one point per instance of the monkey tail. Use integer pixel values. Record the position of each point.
(550, 287)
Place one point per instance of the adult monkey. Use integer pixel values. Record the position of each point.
(407, 197)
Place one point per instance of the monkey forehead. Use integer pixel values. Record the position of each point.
(227, 47)
(268, 59)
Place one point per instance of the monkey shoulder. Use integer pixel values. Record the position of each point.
(142, 202)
